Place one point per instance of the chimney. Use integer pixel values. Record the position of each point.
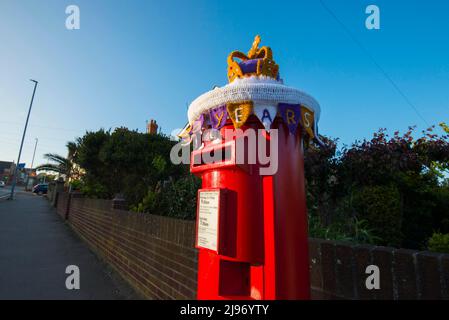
(152, 127)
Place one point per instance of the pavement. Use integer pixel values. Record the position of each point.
(36, 246)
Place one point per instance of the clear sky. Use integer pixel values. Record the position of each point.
(135, 60)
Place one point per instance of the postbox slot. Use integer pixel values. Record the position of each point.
(221, 154)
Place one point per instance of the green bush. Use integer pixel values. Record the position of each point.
(439, 242)
(380, 207)
(172, 198)
(94, 190)
(76, 185)
(352, 230)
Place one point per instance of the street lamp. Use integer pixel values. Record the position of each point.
(14, 181)
(32, 163)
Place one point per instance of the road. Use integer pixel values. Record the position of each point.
(36, 247)
(4, 192)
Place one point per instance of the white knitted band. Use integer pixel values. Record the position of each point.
(258, 92)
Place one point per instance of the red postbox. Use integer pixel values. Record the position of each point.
(252, 227)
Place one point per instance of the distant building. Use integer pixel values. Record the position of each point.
(6, 170)
(23, 174)
(152, 127)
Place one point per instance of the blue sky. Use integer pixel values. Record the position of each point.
(134, 60)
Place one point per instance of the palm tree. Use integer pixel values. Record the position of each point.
(61, 165)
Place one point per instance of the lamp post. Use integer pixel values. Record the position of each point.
(32, 163)
(34, 152)
(14, 181)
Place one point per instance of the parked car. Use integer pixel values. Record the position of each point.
(2, 184)
(40, 188)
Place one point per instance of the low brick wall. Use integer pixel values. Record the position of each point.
(156, 256)
(338, 271)
(62, 204)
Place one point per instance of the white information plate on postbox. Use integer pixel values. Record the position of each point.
(207, 224)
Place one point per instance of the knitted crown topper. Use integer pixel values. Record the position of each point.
(254, 88)
(257, 62)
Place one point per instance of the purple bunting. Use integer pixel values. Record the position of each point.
(291, 113)
(218, 117)
(198, 124)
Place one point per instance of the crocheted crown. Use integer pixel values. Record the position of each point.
(254, 88)
(258, 62)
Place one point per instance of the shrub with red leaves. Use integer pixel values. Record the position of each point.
(398, 184)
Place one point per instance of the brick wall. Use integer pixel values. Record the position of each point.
(155, 255)
(62, 204)
(338, 271)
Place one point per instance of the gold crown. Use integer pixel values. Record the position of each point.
(257, 62)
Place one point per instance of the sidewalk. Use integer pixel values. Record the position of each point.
(36, 246)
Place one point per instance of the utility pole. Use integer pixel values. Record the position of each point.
(34, 152)
(32, 162)
(14, 179)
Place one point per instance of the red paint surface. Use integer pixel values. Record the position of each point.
(263, 227)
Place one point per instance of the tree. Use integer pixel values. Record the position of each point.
(65, 167)
(320, 165)
(126, 162)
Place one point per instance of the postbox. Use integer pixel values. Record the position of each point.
(251, 227)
